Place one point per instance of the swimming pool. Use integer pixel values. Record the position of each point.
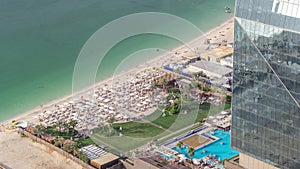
(222, 151)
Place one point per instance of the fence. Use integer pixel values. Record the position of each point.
(62, 152)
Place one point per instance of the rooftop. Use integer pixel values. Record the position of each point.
(93, 151)
(212, 67)
(219, 52)
(159, 161)
(228, 59)
(184, 82)
(106, 158)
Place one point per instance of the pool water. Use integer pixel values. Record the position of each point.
(222, 151)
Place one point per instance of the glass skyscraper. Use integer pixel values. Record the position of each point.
(266, 84)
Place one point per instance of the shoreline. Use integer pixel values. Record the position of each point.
(26, 116)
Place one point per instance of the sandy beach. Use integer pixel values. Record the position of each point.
(40, 156)
(14, 153)
(214, 34)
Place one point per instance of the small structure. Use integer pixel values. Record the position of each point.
(105, 161)
(93, 151)
(99, 158)
(190, 56)
(215, 55)
(156, 162)
(228, 61)
(183, 82)
(195, 141)
(211, 69)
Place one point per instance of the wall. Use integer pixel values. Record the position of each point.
(231, 165)
(62, 152)
(140, 164)
(252, 163)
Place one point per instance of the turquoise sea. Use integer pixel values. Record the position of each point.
(41, 39)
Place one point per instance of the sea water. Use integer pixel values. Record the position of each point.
(41, 39)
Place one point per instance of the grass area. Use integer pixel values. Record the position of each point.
(66, 135)
(123, 143)
(137, 133)
(195, 114)
(85, 142)
(138, 129)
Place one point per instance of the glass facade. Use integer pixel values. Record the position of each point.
(266, 84)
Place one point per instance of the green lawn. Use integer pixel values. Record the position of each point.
(123, 143)
(178, 121)
(66, 135)
(137, 133)
(85, 142)
(138, 129)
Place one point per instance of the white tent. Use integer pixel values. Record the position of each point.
(196, 161)
(224, 112)
(182, 156)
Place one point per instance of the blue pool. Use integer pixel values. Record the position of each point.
(221, 150)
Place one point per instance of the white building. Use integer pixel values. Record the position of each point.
(228, 61)
(211, 69)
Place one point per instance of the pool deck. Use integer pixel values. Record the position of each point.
(203, 129)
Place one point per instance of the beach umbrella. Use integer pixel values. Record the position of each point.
(218, 117)
(196, 161)
(182, 156)
(224, 112)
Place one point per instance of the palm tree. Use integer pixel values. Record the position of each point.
(82, 156)
(39, 130)
(59, 125)
(153, 85)
(110, 122)
(191, 152)
(194, 84)
(72, 124)
(179, 145)
(164, 82)
(59, 141)
(67, 148)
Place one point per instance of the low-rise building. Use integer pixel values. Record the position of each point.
(228, 61)
(105, 161)
(99, 158)
(215, 55)
(212, 69)
(155, 162)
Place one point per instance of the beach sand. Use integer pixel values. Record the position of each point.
(14, 149)
(157, 61)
